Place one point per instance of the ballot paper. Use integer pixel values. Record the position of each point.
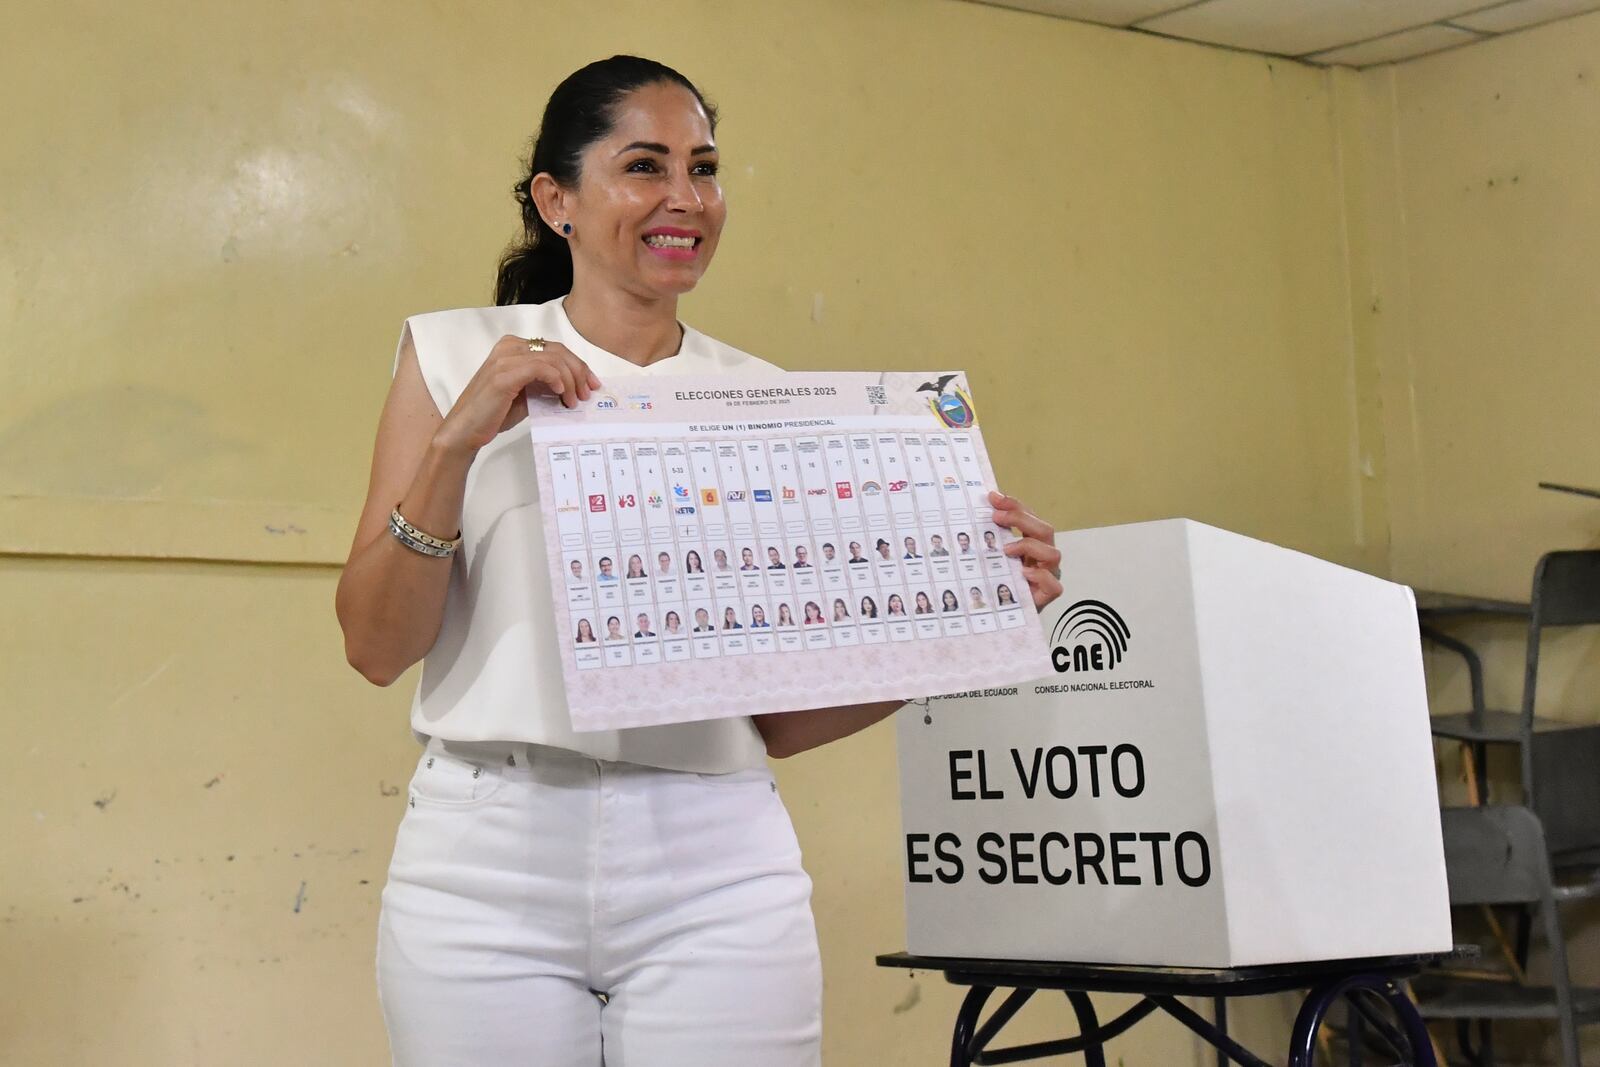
(735, 546)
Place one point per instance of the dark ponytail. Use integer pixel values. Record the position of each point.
(580, 112)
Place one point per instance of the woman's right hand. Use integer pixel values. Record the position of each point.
(493, 401)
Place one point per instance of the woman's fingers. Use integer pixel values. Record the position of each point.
(1043, 584)
(1033, 551)
(582, 376)
(1011, 512)
(557, 377)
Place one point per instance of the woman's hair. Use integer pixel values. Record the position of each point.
(581, 111)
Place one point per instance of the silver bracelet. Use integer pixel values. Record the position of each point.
(419, 541)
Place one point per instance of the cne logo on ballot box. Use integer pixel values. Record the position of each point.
(1223, 761)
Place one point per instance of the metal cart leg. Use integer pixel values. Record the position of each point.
(1303, 1043)
(1094, 1055)
(967, 1025)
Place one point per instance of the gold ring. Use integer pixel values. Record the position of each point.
(536, 344)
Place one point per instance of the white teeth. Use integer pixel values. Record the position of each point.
(661, 240)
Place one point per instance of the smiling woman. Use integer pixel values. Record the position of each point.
(558, 897)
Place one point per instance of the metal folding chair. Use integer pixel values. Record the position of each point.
(1497, 854)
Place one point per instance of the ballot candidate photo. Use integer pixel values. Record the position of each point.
(663, 564)
(672, 623)
(702, 621)
(775, 560)
(557, 897)
(636, 567)
(644, 627)
(691, 563)
(785, 616)
(585, 635)
(924, 605)
(758, 617)
(896, 605)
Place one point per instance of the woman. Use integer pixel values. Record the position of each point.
(613, 629)
(636, 567)
(869, 608)
(785, 616)
(691, 563)
(673, 623)
(758, 617)
(730, 620)
(1003, 596)
(896, 605)
(924, 605)
(508, 932)
(585, 632)
(977, 603)
(949, 600)
(840, 612)
(813, 613)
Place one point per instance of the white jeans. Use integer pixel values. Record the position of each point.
(551, 910)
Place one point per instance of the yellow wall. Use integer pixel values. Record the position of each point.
(1483, 322)
(1149, 255)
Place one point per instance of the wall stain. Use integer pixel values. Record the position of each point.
(299, 898)
(105, 799)
(912, 999)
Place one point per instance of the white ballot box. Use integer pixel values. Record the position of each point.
(1225, 761)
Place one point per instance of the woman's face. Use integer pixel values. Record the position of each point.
(653, 176)
(758, 615)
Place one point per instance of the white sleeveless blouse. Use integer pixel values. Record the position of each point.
(494, 673)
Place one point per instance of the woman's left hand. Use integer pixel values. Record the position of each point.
(1041, 560)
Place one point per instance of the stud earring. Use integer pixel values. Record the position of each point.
(566, 228)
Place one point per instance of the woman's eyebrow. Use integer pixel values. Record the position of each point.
(656, 146)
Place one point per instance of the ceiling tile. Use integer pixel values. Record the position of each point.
(1521, 13)
(1396, 46)
(1107, 12)
(1297, 27)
